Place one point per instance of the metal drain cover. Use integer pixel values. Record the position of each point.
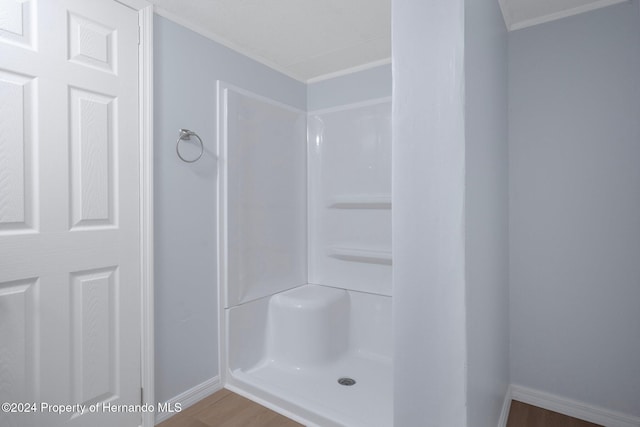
(346, 381)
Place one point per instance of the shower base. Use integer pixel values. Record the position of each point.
(288, 352)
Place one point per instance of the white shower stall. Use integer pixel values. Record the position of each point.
(305, 257)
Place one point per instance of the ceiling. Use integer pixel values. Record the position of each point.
(313, 39)
(525, 13)
(302, 38)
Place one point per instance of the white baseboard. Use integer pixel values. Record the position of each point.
(191, 396)
(506, 406)
(573, 408)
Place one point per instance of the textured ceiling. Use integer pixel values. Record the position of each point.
(525, 13)
(311, 39)
(303, 38)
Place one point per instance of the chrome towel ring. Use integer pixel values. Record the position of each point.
(185, 135)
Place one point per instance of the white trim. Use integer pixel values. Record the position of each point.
(573, 408)
(351, 106)
(145, 136)
(221, 210)
(563, 14)
(145, 84)
(191, 396)
(506, 407)
(216, 38)
(350, 70)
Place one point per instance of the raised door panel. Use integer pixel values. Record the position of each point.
(18, 354)
(94, 334)
(92, 44)
(17, 196)
(18, 22)
(92, 130)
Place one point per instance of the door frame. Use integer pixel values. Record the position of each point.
(145, 140)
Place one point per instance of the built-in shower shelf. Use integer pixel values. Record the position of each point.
(361, 255)
(371, 201)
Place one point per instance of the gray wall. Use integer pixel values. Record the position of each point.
(486, 219)
(429, 323)
(186, 67)
(575, 207)
(351, 88)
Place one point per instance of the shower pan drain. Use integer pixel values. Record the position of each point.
(346, 381)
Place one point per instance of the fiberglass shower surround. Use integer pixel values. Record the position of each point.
(306, 257)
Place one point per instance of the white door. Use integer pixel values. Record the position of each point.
(69, 211)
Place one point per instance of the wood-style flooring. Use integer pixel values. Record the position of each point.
(227, 409)
(523, 415)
